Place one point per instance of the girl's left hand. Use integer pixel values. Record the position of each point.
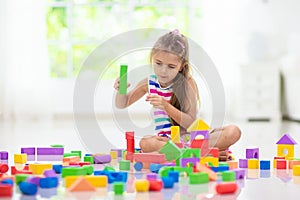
(157, 101)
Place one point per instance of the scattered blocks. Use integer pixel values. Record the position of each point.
(20, 158)
(211, 174)
(6, 190)
(30, 151)
(155, 185)
(141, 185)
(174, 175)
(39, 168)
(198, 178)
(96, 181)
(118, 188)
(226, 188)
(252, 153)
(50, 153)
(171, 151)
(28, 188)
(49, 182)
(81, 185)
(168, 182)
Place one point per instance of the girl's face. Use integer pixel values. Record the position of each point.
(166, 67)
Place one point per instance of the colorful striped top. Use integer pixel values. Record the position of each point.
(161, 119)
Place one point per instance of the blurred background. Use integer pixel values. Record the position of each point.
(254, 44)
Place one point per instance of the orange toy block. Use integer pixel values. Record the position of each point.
(233, 164)
(150, 157)
(293, 162)
(71, 159)
(96, 181)
(81, 185)
(211, 174)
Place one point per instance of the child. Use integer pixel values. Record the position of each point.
(173, 93)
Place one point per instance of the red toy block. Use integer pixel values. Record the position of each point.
(155, 185)
(6, 190)
(214, 152)
(150, 158)
(3, 168)
(25, 170)
(202, 144)
(130, 135)
(79, 163)
(226, 188)
(280, 164)
(179, 145)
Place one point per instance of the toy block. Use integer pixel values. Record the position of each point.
(30, 151)
(129, 156)
(57, 145)
(101, 159)
(293, 162)
(276, 158)
(71, 155)
(197, 125)
(226, 188)
(265, 164)
(168, 182)
(171, 151)
(96, 181)
(179, 145)
(138, 166)
(113, 154)
(109, 168)
(50, 173)
(49, 157)
(81, 185)
(198, 178)
(155, 185)
(228, 176)
(49, 182)
(20, 178)
(175, 134)
(80, 164)
(165, 170)
(3, 168)
(296, 170)
(212, 160)
(6, 190)
(123, 79)
(185, 170)
(130, 141)
(239, 173)
(20, 158)
(150, 157)
(78, 152)
(286, 139)
(253, 164)
(285, 150)
(49, 151)
(119, 152)
(28, 188)
(154, 167)
(233, 164)
(124, 165)
(185, 161)
(202, 144)
(71, 159)
(89, 159)
(243, 163)
(3, 155)
(73, 171)
(15, 171)
(220, 168)
(191, 153)
(211, 174)
(174, 175)
(38, 169)
(118, 188)
(214, 152)
(252, 153)
(151, 176)
(34, 180)
(57, 168)
(199, 135)
(141, 185)
(281, 164)
(113, 176)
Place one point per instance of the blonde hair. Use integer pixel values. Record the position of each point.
(177, 44)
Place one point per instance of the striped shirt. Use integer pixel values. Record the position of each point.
(161, 119)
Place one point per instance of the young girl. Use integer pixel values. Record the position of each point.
(173, 93)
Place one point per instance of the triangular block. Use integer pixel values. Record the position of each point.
(198, 125)
(81, 185)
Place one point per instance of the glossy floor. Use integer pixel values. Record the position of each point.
(257, 184)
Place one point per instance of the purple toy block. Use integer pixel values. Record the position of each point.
(243, 163)
(100, 159)
(185, 161)
(28, 150)
(33, 179)
(252, 153)
(3, 155)
(239, 173)
(119, 152)
(50, 151)
(151, 176)
(170, 164)
(194, 134)
(286, 139)
(50, 173)
(30, 157)
(49, 157)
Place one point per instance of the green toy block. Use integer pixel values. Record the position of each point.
(89, 159)
(89, 169)
(73, 171)
(57, 146)
(124, 165)
(20, 177)
(191, 153)
(118, 188)
(109, 169)
(187, 170)
(123, 79)
(164, 171)
(223, 164)
(199, 178)
(228, 176)
(70, 154)
(78, 152)
(171, 151)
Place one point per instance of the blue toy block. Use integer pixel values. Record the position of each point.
(168, 182)
(7, 181)
(174, 175)
(49, 182)
(220, 168)
(265, 164)
(138, 166)
(155, 167)
(113, 176)
(28, 188)
(57, 168)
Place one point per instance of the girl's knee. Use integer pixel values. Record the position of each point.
(234, 132)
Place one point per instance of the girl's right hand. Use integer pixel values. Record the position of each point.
(117, 84)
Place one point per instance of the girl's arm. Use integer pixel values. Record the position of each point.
(125, 100)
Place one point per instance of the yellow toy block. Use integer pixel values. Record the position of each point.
(175, 134)
(212, 160)
(96, 181)
(296, 170)
(20, 158)
(141, 185)
(253, 163)
(39, 168)
(286, 150)
(198, 125)
(113, 154)
(233, 164)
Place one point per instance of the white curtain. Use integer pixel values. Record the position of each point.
(24, 69)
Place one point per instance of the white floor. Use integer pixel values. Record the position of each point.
(281, 185)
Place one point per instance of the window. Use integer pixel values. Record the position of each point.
(76, 27)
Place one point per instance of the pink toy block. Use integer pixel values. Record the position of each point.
(252, 153)
(179, 145)
(243, 163)
(129, 156)
(185, 161)
(150, 157)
